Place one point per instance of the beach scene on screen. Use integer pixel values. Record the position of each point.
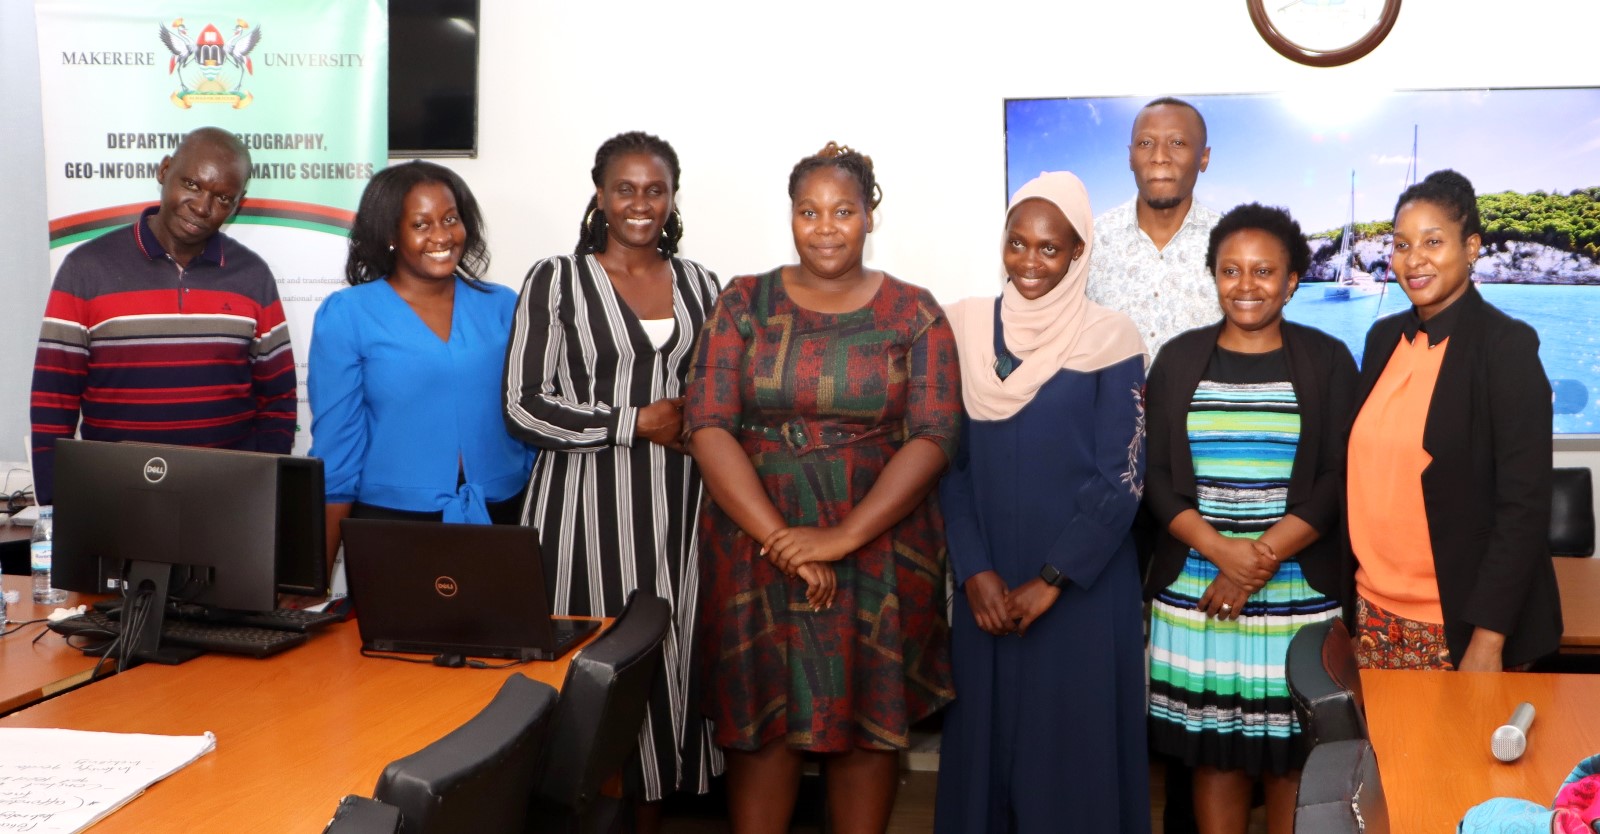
(1338, 159)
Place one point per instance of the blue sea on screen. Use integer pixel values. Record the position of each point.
(1566, 317)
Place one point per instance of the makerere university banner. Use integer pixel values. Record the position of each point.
(303, 83)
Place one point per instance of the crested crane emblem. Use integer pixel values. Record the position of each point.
(206, 63)
(178, 43)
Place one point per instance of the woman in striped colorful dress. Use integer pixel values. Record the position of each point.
(600, 346)
(1247, 422)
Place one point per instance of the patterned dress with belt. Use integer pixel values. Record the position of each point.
(821, 402)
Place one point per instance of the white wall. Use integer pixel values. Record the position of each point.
(743, 90)
(25, 279)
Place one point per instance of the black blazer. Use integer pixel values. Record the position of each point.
(1324, 378)
(1487, 490)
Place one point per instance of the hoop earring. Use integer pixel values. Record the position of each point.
(594, 225)
(676, 215)
(595, 231)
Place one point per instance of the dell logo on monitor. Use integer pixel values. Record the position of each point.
(154, 470)
(445, 586)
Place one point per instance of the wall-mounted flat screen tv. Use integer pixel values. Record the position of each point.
(433, 78)
(1339, 162)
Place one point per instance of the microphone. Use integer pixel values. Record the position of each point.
(1509, 742)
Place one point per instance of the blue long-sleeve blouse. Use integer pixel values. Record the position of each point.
(400, 417)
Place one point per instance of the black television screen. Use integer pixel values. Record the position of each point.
(433, 77)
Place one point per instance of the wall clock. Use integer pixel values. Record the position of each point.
(1323, 33)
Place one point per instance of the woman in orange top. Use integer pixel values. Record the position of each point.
(1449, 465)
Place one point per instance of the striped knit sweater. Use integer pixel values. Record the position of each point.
(142, 349)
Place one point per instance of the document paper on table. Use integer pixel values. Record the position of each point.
(65, 780)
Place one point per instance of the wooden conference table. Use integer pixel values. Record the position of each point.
(1579, 582)
(295, 732)
(32, 671)
(1431, 732)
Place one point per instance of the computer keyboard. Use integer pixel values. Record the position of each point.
(211, 637)
(281, 619)
(232, 639)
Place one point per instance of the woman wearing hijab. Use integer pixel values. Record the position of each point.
(1046, 642)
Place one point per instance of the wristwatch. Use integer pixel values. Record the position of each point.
(1052, 577)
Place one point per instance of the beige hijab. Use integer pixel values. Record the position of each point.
(1063, 330)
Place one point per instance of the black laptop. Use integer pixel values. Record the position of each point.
(453, 589)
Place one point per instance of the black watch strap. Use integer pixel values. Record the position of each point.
(1052, 577)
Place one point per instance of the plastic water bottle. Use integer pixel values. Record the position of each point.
(42, 547)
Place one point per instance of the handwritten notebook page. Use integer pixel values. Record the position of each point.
(59, 781)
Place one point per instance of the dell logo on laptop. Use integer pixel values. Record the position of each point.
(154, 470)
(445, 586)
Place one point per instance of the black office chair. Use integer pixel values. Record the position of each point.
(1340, 792)
(597, 721)
(362, 815)
(1325, 684)
(1571, 512)
(478, 776)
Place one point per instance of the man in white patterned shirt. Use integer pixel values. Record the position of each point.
(1149, 253)
(1149, 262)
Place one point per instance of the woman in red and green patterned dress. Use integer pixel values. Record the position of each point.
(823, 407)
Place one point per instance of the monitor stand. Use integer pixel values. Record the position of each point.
(146, 592)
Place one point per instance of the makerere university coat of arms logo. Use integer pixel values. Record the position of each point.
(204, 65)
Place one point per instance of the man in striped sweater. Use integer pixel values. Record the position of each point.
(167, 331)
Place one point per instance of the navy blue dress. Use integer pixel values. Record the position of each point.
(1047, 732)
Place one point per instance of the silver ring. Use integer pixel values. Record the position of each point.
(1226, 608)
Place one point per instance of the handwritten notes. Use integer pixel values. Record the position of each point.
(64, 780)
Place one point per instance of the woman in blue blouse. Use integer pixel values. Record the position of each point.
(406, 363)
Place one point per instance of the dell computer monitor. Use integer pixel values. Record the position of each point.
(218, 528)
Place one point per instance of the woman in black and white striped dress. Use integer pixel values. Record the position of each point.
(594, 377)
